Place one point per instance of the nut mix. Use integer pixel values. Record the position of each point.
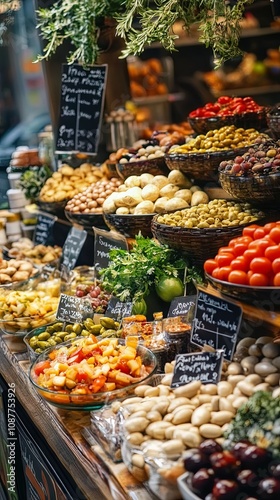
(224, 138)
(216, 213)
(13, 271)
(147, 151)
(90, 200)
(260, 159)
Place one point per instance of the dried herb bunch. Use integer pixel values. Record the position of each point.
(139, 23)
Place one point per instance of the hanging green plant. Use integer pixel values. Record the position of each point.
(140, 23)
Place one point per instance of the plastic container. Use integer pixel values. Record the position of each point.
(16, 198)
(14, 178)
(13, 227)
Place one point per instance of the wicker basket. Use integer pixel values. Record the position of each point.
(273, 122)
(111, 169)
(257, 190)
(130, 225)
(201, 166)
(199, 244)
(53, 207)
(155, 166)
(253, 119)
(86, 220)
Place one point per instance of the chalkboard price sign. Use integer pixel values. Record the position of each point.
(203, 366)
(72, 247)
(81, 108)
(117, 309)
(104, 242)
(216, 323)
(43, 229)
(73, 309)
(182, 306)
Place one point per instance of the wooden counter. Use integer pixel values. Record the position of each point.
(93, 472)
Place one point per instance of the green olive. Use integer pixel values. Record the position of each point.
(44, 336)
(70, 336)
(43, 344)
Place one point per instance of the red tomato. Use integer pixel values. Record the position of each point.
(210, 265)
(272, 252)
(76, 356)
(238, 277)
(276, 266)
(224, 259)
(239, 264)
(97, 384)
(215, 273)
(261, 265)
(249, 230)
(239, 249)
(276, 280)
(224, 250)
(81, 377)
(275, 234)
(122, 366)
(259, 233)
(261, 243)
(41, 366)
(270, 225)
(223, 273)
(233, 242)
(252, 253)
(258, 279)
(249, 274)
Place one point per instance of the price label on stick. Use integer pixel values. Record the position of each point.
(72, 247)
(44, 229)
(104, 242)
(203, 366)
(73, 309)
(117, 309)
(216, 323)
(81, 108)
(182, 306)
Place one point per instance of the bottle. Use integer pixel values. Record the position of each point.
(13, 227)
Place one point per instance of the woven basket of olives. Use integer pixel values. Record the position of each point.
(200, 157)
(200, 231)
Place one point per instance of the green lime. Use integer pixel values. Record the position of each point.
(169, 288)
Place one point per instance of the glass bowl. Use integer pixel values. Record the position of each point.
(81, 395)
(27, 284)
(23, 310)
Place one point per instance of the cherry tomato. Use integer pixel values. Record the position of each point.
(249, 274)
(41, 366)
(224, 250)
(210, 265)
(239, 264)
(272, 252)
(239, 249)
(276, 280)
(258, 279)
(122, 366)
(275, 234)
(270, 225)
(224, 259)
(215, 273)
(249, 230)
(238, 277)
(276, 265)
(223, 273)
(252, 253)
(233, 242)
(261, 265)
(259, 233)
(261, 243)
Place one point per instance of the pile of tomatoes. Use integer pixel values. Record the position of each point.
(251, 259)
(227, 106)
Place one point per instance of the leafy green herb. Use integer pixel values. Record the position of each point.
(79, 22)
(32, 181)
(130, 275)
(258, 420)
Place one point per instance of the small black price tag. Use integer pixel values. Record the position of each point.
(104, 242)
(72, 247)
(73, 309)
(183, 306)
(216, 323)
(117, 309)
(203, 366)
(81, 108)
(43, 232)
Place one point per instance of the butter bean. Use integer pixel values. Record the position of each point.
(154, 416)
(135, 438)
(245, 388)
(239, 402)
(138, 460)
(215, 403)
(164, 390)
(178, 402)
(201, 415)
(136, 424)
(253, 379)
(190, 439)
(170, 431)
(161, 407)
(189, 390)
(173, 447)
(151, 391)
(157, 429)
(234, 379)
(276, 392)
(262, 387)
(226, 405)
(182, 416)
(221, 417)
(210, 431)
(140, 413)
(131, 401)
(224, 388)
(273, 379)
(140, 390)
(168, 417)
(168, 368)
(167, 379)
(208, 389)
(234, 368)
(204, 398)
